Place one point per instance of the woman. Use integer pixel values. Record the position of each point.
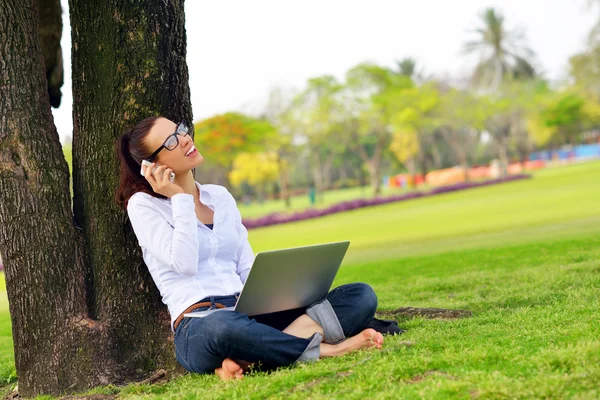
(197, 251)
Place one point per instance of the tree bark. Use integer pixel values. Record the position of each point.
(128, 64)
(42, 249)
(83, 306)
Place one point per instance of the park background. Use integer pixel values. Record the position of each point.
(503, 154)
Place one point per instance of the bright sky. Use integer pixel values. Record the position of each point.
(239, 49)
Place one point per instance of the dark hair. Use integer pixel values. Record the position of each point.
(131, 151)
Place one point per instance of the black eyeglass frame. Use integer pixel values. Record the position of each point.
(182, 130)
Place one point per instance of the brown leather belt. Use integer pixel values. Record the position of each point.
(193, 307)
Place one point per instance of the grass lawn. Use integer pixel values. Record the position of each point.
(556, 203)
(300, 203)
(522, 256)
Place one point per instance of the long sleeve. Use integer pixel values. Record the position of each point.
(245, 255)
(175, 246)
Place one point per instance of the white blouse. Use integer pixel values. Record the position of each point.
(189, 261)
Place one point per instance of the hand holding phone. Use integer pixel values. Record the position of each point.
(157, 177)
(148, 163)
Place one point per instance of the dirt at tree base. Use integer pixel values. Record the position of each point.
(159, 376)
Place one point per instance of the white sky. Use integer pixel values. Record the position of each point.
(239, 49)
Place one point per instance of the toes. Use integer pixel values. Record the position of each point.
(229, 370)
(231, 366)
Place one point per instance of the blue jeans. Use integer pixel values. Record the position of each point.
(201, 344)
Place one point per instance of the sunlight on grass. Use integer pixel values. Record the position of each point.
(522, 256)
(509, 213)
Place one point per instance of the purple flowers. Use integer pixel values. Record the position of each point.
(277, 218)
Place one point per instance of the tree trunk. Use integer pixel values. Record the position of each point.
(503, 157)
(318, 176)
(54, 340)
(411, 167)
(373, 164)
(460, 148)
(284, 181)
(375, 178)
(343, 170)
(83, 306)
(327, 170)
(128, 64)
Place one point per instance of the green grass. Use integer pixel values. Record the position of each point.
(300, 203)
(522, 256)
(7, 359)
(557, 203)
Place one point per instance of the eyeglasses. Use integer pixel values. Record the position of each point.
(172, 140)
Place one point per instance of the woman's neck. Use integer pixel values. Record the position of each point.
(187, 183)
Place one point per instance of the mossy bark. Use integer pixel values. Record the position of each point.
(83, 306)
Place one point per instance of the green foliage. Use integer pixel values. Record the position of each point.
(562, 116)
(585, 71)
(227, 135)
(255, 169)
(415, 115)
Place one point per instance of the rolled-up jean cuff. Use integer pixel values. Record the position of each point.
(313, 350)
(324, 315)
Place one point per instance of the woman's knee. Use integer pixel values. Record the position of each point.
(359, 296)
(367, 297)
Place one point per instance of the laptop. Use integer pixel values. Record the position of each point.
(285, 279)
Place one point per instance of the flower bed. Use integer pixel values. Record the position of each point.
(277, 218)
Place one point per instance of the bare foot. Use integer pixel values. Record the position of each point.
(229, 370)
(368, 338)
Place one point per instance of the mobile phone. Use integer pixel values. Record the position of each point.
(147, 163)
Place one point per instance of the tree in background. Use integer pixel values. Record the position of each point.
(278, 111)
(461, 121)
(408, 67)
(561, 117)
(368, 100)
(507, 111)
(405, 146)
(502, 52)
(504, 61)
(255, 169)
(223, 137)
(316, 116)
(584, 67)
(413, 122)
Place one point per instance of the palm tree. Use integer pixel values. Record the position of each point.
(503, 52)
(407, 66)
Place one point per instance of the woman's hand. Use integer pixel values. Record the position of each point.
(161, 184)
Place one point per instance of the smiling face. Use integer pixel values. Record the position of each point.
(182, 158)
